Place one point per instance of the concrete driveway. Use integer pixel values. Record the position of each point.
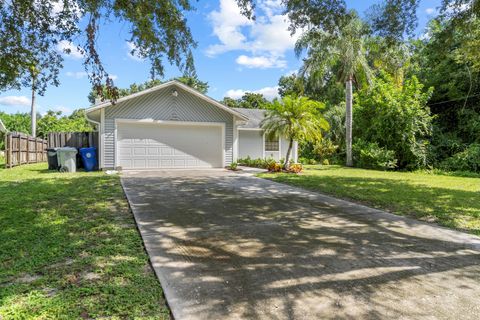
(232, 246)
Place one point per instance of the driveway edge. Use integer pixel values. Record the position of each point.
(469, 241)
(160, 278)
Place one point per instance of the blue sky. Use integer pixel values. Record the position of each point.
(234, 55)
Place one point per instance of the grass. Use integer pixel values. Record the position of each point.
(450, 201)
(69, 249)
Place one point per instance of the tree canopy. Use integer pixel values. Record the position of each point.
(249, 100)
(31, 31)
(193, 82)
(51, 121)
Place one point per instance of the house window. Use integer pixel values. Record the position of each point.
(271, 143)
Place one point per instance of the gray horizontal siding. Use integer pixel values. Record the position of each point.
(162, 105)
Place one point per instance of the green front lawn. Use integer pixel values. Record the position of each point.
(448, 200)
(69, 249)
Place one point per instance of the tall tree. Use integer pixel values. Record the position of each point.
(290, 85)
(33, 108)
(35, 30)
(391, 19)
(296, 119)
(344, 51)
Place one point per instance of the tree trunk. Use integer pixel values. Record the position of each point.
(287, 159)
(348, 121)
(33, 111)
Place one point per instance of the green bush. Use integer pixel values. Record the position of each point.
(397, 118)
(324, 149)
(233, 166)
(256, 163)
(369, 155)
(307, 161)
(467, 160)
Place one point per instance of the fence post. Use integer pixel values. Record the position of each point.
(6, 150)
(28, 149)
(9, 153)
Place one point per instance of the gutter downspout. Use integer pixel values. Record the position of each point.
(99, 128)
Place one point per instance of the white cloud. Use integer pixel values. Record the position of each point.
(15, 101)
(83, 74)
(77, 75)
(268, 92)
(266, 39)
(453, 8)
(430, 11)
(132, 47)
(69, 49)
(261, 62)
(227, 25)
(57, 7)
(63, 109)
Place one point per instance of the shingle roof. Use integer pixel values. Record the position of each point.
(255, 117)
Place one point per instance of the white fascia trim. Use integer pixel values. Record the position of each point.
(251, 129)
(235, 142)
(165, 85)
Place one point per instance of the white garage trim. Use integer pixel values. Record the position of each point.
(102, 138)
(166, 122)
(250, 129)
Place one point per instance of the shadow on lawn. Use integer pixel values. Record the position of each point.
(246, 247)
(448, 207)
(69, 248)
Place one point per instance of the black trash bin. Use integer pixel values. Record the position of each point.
(52, 159)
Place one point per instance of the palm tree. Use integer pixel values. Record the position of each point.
(296, 119)
(341, 53)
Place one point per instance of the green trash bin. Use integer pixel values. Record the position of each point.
(67, 159)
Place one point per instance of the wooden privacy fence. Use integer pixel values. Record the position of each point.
(22, 149)
(72, 139)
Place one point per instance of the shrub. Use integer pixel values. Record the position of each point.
(325, 162)
(467, 160)
(233, 166)
(255, 163)
(307, 161)
(324, 148)
(295, 168)
(303, 160)
(370, 156)
(274, 167)
(396, 117)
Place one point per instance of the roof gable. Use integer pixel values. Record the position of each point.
(166, 85)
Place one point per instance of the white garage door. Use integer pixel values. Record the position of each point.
(157, 146)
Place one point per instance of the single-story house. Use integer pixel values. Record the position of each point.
(174, 126)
